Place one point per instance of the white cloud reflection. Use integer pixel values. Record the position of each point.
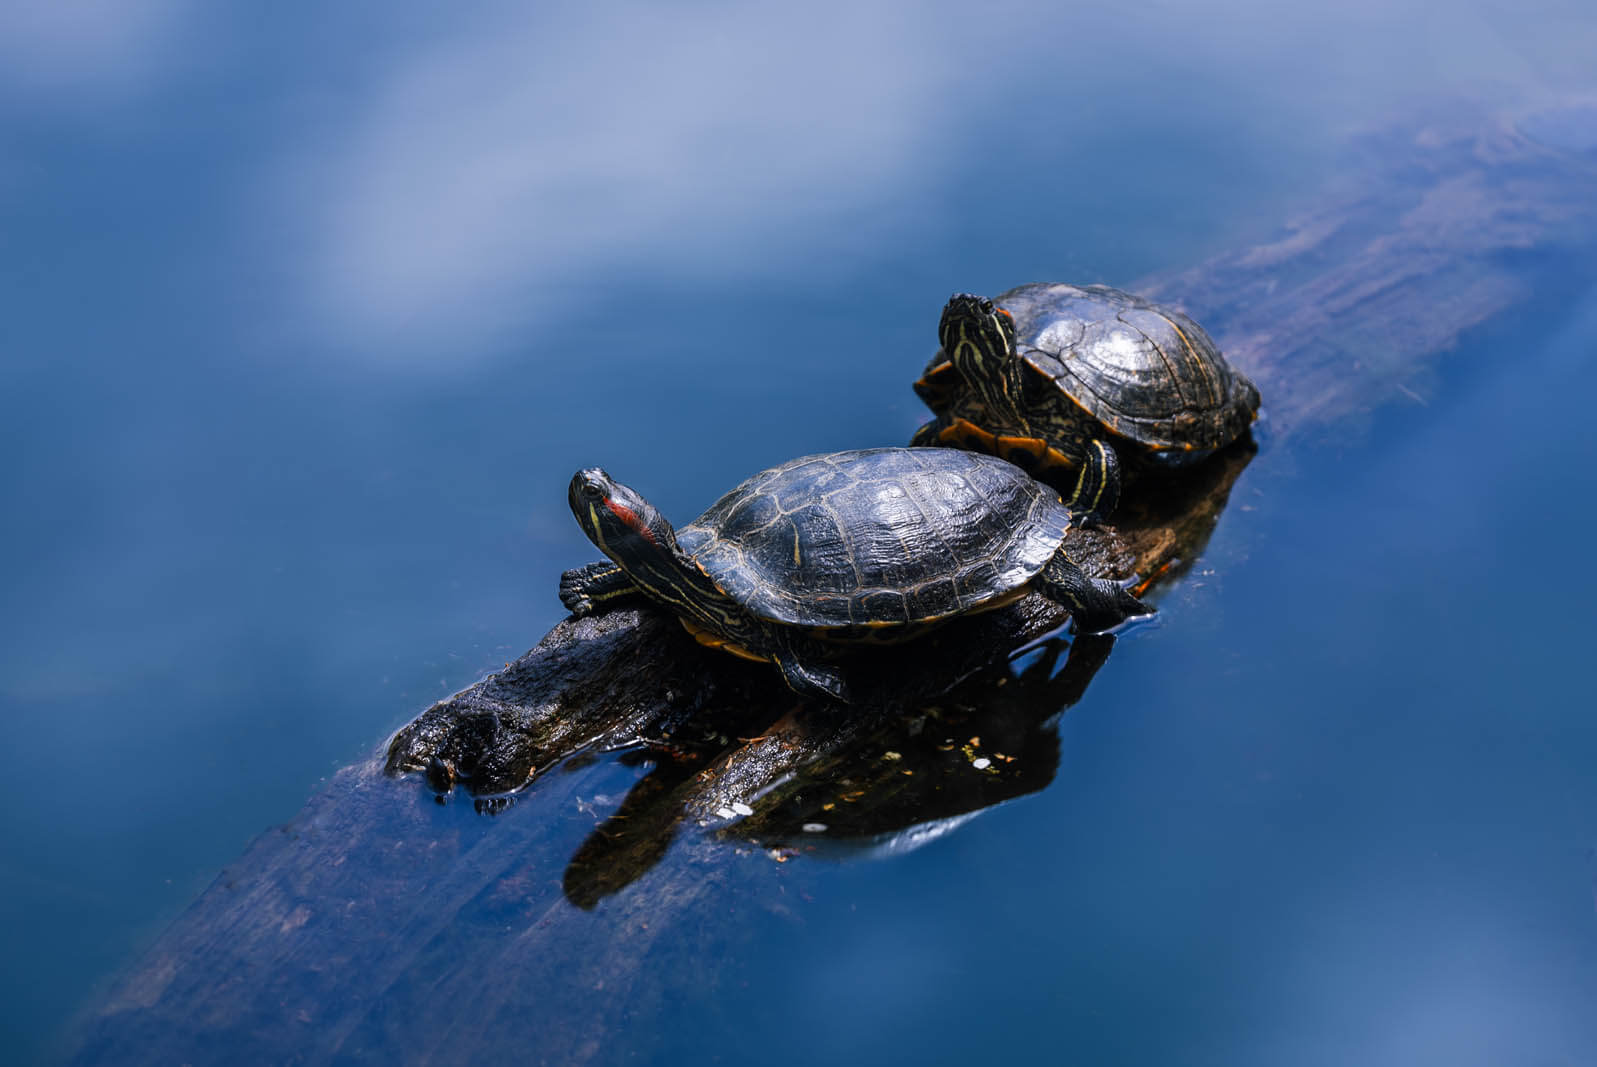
(58, 51)
(428, 181)
(493, 169)
(1410, 973)
(509, 162)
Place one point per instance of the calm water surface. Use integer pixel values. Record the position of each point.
(308, 321)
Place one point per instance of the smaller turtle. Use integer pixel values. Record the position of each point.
(839, 549)
(1065, 378)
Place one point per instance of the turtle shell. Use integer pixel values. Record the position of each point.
(880, 537)
(1146, 372)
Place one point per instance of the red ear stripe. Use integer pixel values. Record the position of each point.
(630, 517)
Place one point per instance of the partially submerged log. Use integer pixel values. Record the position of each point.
(368, 927)
(1424, 239)
(566, 695)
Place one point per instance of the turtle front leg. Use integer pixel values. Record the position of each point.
(1097, 489)
(586, 590)
(1089, 481)
(1096, 604)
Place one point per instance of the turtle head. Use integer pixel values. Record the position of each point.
(634, 535)
(978, 338)
(625, 526)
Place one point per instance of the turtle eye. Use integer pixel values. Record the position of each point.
(986, 306)
(592, 491)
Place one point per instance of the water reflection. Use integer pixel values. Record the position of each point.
(904, 781)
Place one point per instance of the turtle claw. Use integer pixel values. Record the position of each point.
(583, 589)
(571, 595)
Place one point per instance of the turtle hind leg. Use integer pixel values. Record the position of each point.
(803, 668)
(806, 674)
(1096, 604)
(822, 682)
(585, 590)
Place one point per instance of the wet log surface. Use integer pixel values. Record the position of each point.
(369, 927)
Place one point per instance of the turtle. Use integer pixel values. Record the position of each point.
(1078, 379)
(837, 549)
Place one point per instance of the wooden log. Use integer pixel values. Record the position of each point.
(370, 927)
(1427, 236)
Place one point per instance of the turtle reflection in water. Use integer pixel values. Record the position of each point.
(1064, 378)
(839, 549)
(989, 742)
(902, 783)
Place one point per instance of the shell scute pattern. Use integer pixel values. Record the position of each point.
(881, 605)
(1060, 336)
(816, 480)
(1148, 373)
(1191, 369)
(877, 537)
(978, 577)
(932, 599)
(1113, 359)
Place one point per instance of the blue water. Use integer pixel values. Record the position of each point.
(307, 319)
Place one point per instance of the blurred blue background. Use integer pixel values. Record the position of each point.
(308, 315)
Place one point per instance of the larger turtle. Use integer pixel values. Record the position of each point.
(839, 549)
(1080, 378)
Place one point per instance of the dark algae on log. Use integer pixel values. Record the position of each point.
(371, 926)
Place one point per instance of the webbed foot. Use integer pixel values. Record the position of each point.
(583, 590)
(1096, 604)
(1111, 606)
